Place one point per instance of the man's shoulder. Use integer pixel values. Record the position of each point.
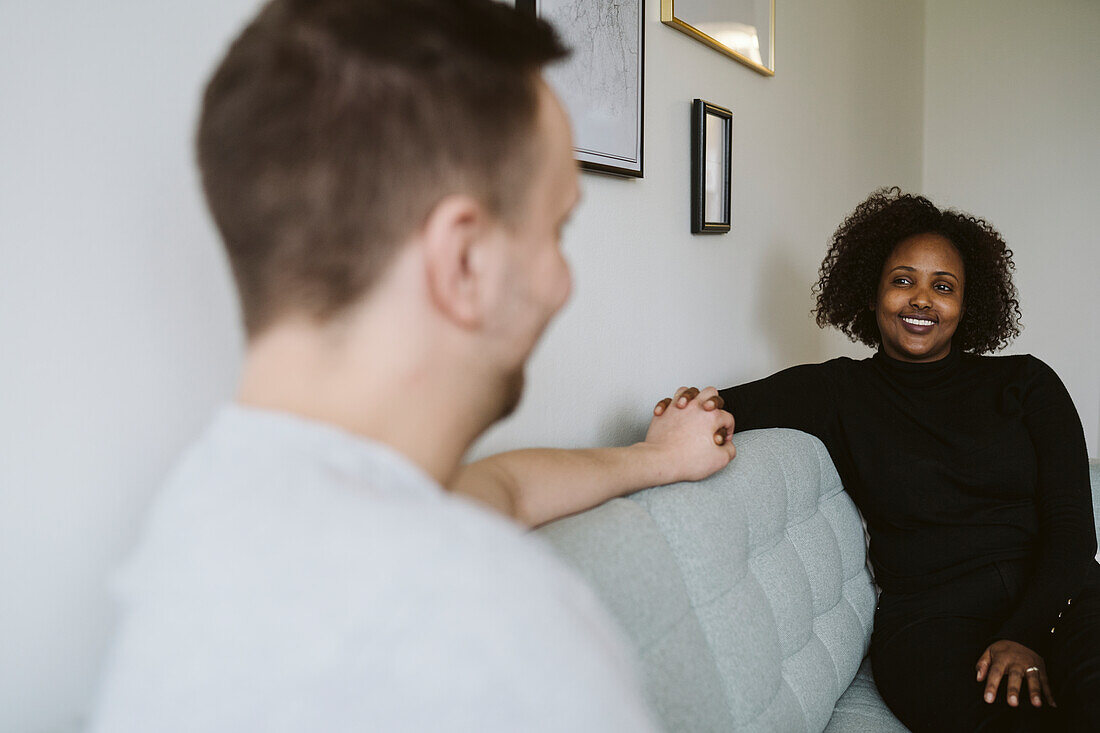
(259, 512)
(372, 604)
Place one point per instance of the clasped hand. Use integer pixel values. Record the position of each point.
(695, 439)
(1012, 663)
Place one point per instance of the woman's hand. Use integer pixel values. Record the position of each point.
(683, 397)
(1013, 663)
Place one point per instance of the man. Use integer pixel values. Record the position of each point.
(390, 179)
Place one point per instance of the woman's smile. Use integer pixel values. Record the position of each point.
(918, 324)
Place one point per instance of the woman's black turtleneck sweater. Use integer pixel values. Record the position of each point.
(954, 464)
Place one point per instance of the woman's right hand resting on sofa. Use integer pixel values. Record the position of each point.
(539, 485)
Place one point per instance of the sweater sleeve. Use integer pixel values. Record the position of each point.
(801, 397)
(1067, 535)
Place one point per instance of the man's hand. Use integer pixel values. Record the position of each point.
(538, 485)
(695, 441)
(1013, 663)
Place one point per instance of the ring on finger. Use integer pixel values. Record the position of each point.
(1031, 669)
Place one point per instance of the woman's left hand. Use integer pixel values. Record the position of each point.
(684, 396)
(1013, 663)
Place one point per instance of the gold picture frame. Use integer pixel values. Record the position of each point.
(730, 32)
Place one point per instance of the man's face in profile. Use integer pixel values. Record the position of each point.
(538, 283)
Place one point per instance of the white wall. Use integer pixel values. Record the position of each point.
(117, 315)
(1011, 135)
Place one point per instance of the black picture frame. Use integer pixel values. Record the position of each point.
(595, 149)
(711, 168)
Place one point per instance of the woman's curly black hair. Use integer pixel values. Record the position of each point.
(849, 275)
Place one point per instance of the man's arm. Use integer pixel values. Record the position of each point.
(539, 485)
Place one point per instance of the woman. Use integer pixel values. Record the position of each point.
(971, 472)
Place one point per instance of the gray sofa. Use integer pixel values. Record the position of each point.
(747, 595)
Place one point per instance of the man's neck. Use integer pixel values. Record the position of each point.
(384, 383)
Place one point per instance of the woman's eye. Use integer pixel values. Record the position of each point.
(901, 281)
(944, 287)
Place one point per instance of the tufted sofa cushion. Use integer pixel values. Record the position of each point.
(747, 594)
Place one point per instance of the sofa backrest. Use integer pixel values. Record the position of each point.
(746, 595)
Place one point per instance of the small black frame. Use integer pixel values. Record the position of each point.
(711, 163)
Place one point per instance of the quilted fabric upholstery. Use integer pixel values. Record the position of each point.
(747, 594)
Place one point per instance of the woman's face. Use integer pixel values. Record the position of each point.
(920, 298)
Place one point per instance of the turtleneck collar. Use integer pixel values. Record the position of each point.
(920, 374)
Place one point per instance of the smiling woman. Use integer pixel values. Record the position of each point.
(970, 470)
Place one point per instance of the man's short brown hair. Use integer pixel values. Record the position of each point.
(332, 127)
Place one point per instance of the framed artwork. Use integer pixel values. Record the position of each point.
(602, 83)
(744, 30)
(711, 167)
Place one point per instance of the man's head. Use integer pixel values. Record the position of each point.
(333, 129)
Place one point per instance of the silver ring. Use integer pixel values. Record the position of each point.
(1031, 669)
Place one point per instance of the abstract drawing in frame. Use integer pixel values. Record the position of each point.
(602, 81)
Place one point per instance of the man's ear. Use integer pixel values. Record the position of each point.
(453, 234)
